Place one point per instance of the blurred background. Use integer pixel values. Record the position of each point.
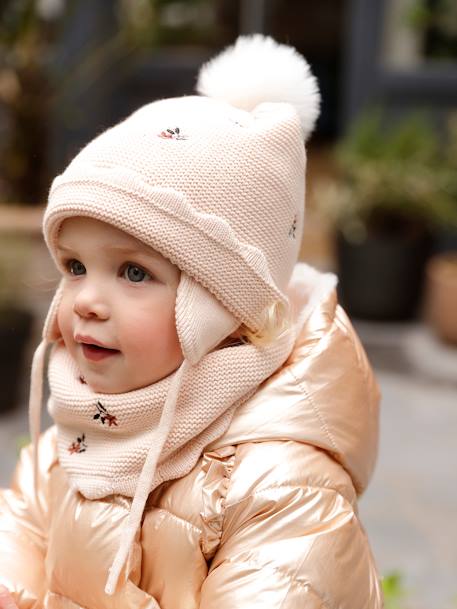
(381, 210)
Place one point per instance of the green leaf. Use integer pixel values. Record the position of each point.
(394, 590)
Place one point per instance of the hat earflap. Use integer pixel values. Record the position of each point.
(51, 330)
(202, 322)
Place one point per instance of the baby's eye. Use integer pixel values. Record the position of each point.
(75, 267)
(135, 273)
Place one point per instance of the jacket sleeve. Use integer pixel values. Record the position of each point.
(24, 524)
(291, 536)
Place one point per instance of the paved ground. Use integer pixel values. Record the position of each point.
(410, 507)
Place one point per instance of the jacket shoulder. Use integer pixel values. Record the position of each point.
(284, 464)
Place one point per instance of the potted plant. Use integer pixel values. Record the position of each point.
(391, 191)
(15, 318)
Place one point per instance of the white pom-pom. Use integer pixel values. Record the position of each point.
(258, 69)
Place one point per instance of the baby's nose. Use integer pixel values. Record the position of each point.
(90, 302)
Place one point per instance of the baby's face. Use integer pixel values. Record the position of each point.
(124, 300)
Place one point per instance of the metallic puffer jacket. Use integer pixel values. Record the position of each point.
(267, 519)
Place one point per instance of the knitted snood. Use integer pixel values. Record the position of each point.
(104, 439)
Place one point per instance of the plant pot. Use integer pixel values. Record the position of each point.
(381, 278)
(15, 328)
(440, 302)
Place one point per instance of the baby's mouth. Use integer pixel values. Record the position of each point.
(96, 353)
(98, 348)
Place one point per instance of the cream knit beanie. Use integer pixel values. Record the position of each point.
(220, 175)
(216, 183)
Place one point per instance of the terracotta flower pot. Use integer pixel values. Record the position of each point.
(440, 303)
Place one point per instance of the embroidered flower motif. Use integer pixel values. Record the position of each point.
(293, 228)
(172, 134)
(104, 415)
(79, 446)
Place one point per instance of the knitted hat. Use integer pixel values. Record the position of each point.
(214, 182)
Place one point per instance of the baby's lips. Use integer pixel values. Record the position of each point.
(91, 342)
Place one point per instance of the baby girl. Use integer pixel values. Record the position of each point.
(215, 417)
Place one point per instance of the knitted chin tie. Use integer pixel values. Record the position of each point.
(144, 481)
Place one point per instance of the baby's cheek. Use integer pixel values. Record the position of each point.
(143, 332)
(154, 338)
(64, 320)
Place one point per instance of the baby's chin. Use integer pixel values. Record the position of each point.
(108, 386)
(104, 381)
(112, 381)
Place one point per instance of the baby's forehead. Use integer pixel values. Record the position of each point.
(80, 231)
